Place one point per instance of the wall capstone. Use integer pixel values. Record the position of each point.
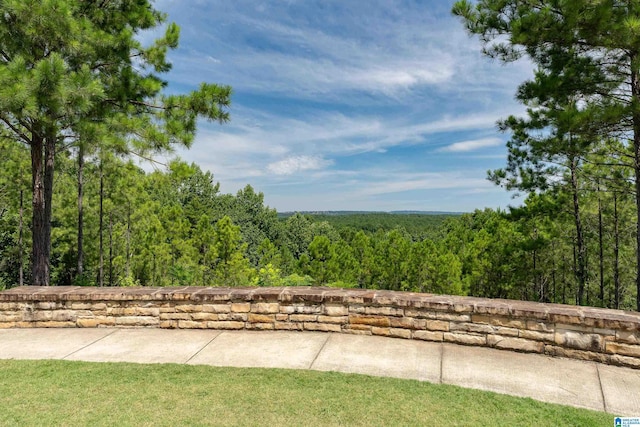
(587, 333)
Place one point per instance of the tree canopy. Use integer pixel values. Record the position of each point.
(74, 72)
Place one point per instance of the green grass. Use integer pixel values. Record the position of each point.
(59, 393)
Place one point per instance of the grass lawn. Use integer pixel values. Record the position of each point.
(48, 393)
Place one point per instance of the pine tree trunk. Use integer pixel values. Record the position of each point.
(110, 248)
(616, 252)
(40, 259)
(601, 249)
(20, 244)
(635, 93)
(50, 154)
(80, 213)
(128, 258)
(101, 230)
(581, 263)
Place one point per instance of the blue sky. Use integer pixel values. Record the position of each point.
(347, 105)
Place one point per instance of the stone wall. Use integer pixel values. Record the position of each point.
(607, 336)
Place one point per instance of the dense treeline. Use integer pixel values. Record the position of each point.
(419, 226)
(174, 227)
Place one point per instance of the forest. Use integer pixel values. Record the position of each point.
(174, 227)
(80, 108)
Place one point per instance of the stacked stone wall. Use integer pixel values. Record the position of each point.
(607, 336)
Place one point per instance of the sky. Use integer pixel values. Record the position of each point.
(375, 105)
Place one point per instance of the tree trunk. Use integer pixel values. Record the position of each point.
(616, 252)
(80, 213)
(601, 249)
(50, 154)
(581, 265)
(128, 258)
(20, 233)
(110, 248)
(40, 258)
(635, 93)
(100, 232)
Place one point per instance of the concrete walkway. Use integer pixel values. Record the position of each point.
(569, 382)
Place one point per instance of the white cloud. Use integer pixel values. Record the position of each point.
(425, 181)
(471, 145)
(368, 85)
(295, 164)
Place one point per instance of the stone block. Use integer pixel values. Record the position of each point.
(216, 308)
(240, 307)
(499, 321)
(303, 318)
(507, 332)
(50, 324)
(453, 317)
(89, 322)
(286, 326)
(384, 311)
(137, 321)
(472, 327)
(402, 322)
(554, 350)
(323, 327)
(578, 340)
(121, 311)
(204, 316)
(188, 308)
(98, 306)
(419, 313)
(630, 362)
(56, 316)
(385, 332)
(463, 338)
(47, 305)
(147, 311)
(287, 309)
(265, 307)
(379, 321)
(567, 319)
(8, 325)
(629, 337)
(333, 319)
(26, 324)
(572, 327)
(534, 325)
(235, 317)
(548, 337)
(352, 331)
(515, 344)
(357, 327)
(261, 318)
(175, 316)
(190, 324)
(168, 324)
(225, 325)
(261, 326)
(437, 325)
(282, 317)
(15, 317)
(631, 350)
(400, 333)
(78, 305)
(428, 335)
(335, 310)
(307, 308)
